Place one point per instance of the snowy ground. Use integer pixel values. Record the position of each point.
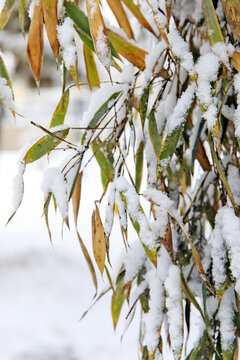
(43, 289)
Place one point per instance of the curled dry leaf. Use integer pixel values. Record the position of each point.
(98, 240)
(100, 39)
(122, 19)
(51, 22)
(35, 43)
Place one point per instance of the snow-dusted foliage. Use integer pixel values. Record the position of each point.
(164, 130)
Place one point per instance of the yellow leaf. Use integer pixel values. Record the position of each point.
(98, 240)
(92, 73)
(35, 43)
(51, 22)
(76, 196)
(132, 53)
(98, 31)
(122, 19)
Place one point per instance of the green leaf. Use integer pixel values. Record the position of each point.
(45, 145)
(203, 350)
(4, 74)
(104, 163)
(144, 300)
(100, 112)
(214, 31)
(139, 166)
(78, 17)
(167, 149)
(187, 291)
(21, 11)
(197, 140)
(144, 104)
(60, 111)
(81, 20)
(153, 133)
(118, 299)
(6, 12)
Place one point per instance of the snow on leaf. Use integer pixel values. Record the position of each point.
(226, 317)
(174, 310)
(55, 183)
(66, 40)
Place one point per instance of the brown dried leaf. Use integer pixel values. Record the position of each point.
(51, 22)
(235, 60)
(35, 43)
(98, 31)
(122, 19)
(98, 240)
(232, 12)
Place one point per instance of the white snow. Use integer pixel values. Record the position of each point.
(6, 94)
(226, 317)
(237, 111)
(102, 48)
(181, 109)
(181, 50)
(133, 260)
(223, 51)
(219, 255)
(66, 41)
(54, 182)
(174, 310)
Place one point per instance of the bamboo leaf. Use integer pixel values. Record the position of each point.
(202, 350)
(76, 196)
(220, 171)
(195, 254)
(45, 211)
(88, 260)
(122, 19)
(78, 17)
(92, 73)
(144, 104)
(132, 53)
(100, 112)
(137, 13)
(4, 74)
(167, 149)
(235, 60)
(35, 43)
(214, 31)
(232, 12)
(60, 111)
(6, 12)
(45, 145)
(105, 165)
(153, 133)
(98, 240)
(187, 291)
(21, 11)
(98, 31)
(139, 166)
(118, 299)
(51, 22)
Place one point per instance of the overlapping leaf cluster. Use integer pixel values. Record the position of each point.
(181, 127)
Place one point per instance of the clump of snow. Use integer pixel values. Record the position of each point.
(6, 94)
(219, 255)
(207, 69)
(66, 41)
(151, 59)
(187, 9)
(237, 111)
(102, 48)
(54, 182)
(121, 211)
(223, 51)
(109, 211)
(135, 212)
(133, 260)
(154, 317)
(226, 317)
(234, 182)
(181, 109)
(174, 307)
(181, 50)
(18, 184)
(163, 263)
